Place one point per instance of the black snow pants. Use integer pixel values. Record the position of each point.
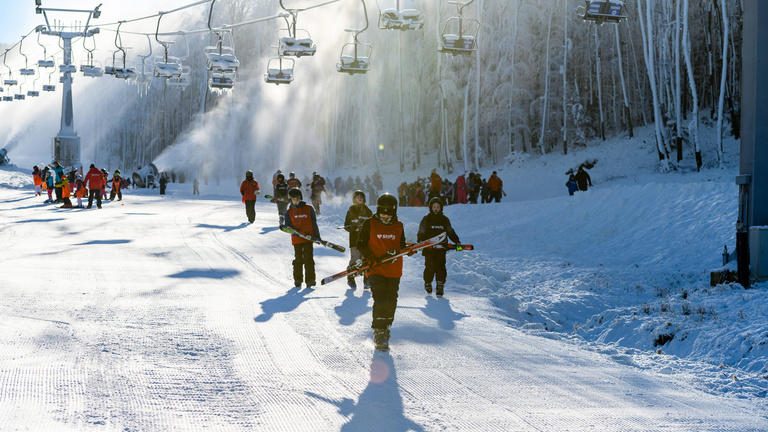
(434, 267)
(94, 193)
(384, 292)
(303, 264)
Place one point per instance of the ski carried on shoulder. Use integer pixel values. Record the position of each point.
(454, 247)
(325, 243)
(407, 251)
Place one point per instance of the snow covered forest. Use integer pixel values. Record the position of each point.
(542, 81)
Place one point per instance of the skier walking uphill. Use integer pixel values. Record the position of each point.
(381, 236)
(302, 218)
(583, 180)
(435, 184)
(95, 180)
(357, 214)
(434, 223)
(116, 186)
(248, 190)
(281, 197)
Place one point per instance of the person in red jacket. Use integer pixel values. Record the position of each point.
(116, 179)
(95, 180)
(249, 188)
(302, 218)
(381, 236)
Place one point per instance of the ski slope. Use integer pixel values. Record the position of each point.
(169, 313)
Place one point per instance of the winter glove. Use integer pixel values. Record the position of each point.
(459, 248)
(358, 263)
(392, 252)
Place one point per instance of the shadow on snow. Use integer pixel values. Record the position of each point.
(380, 406)
(206, 274)
(225, 228)
(352, 307)
(103, 242)
(285, 303)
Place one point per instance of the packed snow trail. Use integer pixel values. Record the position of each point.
(169, 314)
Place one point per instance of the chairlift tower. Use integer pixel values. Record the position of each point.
(66, 144)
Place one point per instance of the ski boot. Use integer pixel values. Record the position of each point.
(351, 282)
(440, 289)
(428, 287)
(366, 284)
(381, 339)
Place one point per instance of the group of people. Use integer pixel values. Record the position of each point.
(469, 188)
(578, 181)
(373, 237)
(53, 180)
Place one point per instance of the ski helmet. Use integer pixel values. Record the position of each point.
(435, 200)
(249, 174)
(295, 193)
(280, 177)
(292, 174)
(357, 193)
(386, 204)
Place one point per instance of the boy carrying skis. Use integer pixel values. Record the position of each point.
(302, 218)
(357, 214)
(431, 225)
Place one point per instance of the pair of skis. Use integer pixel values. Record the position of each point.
(409, 250)
(316, 240)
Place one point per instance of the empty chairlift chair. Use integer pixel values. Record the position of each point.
(49, 88)
(45, 64)
(398, 18)
(279, 71)
(294, 46)
(459, 36)
(355, 58)
(602, 11)
(182, 80)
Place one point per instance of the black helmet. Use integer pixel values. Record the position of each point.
(280, 177)
(292, 174)
(295, 193)
(357, 193)
(386, 204)
(435, 200)
(249, 174)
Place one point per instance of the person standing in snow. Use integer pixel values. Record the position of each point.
(460, 189)
(357, 214)
(80, 192)
(37, 179)
(49, 185)
(58, 179)
(583, 180)
(317, 187)
(163, 183)
(281, 197)
(249, 188)
(435, 223)
(381, 236)
(435, 184)
(495, 188)
(116, 187)
(66, 192)
(302, 218)
(195, 186)
(292, 181)
(571, 184)
(95, 180)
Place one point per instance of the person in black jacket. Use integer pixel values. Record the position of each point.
(357, 214)
(583, 180)
(431, 225)
(281, 197)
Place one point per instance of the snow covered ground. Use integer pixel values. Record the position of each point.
(167, 313)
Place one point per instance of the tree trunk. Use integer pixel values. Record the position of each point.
(649, 63)
(599, 83)
(723, 76)
(545, 103)
(565, 78)
(626, 111)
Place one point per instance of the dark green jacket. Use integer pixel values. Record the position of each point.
(353, 223)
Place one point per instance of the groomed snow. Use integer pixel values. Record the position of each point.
(167, 313)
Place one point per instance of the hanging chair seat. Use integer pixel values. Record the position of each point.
(297, 47)
(10, 82)
(45, 63)
(49, 88)
(27, 72)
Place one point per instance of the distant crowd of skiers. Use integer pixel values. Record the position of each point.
(373, 237)
(52, 179)
(469, 188)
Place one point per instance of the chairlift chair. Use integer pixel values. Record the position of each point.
(46, 63)
(355, 58)
(221, 80)
(183, 80)
(49, 87)
(7, 98)
(397, 18)
(93, 71)
(602, 11)
(19, 96)
(279, 70)
(169, 67)
(125, 73)
(459, 36)
(221, 59)
(10, 82)
(293, 46)
(26, 71)
(33, 93)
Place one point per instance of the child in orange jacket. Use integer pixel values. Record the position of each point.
(80, 192)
